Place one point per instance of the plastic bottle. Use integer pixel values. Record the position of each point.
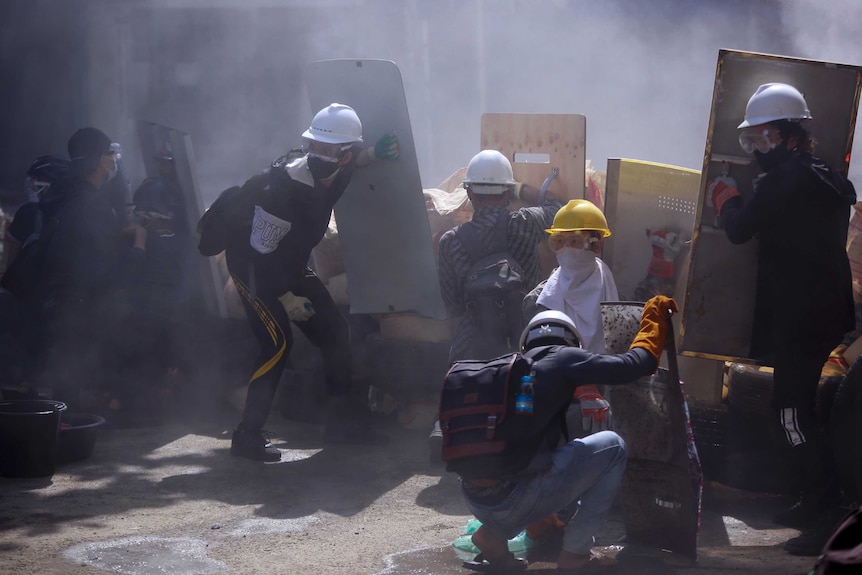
(524, 398)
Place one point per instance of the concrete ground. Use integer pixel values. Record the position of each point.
(168, 498)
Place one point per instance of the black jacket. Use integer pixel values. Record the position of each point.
(86, 257)
(800, 213)
(290, 194)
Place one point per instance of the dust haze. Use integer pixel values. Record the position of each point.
(230, 73)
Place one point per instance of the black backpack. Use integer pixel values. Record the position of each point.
(484, 437)
(495, 289)
(23, 278)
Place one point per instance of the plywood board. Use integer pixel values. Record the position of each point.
(717, 318)
(383, 227)
(548, 141)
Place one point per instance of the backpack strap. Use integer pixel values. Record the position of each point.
(469, 238)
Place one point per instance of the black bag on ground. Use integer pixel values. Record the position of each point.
(484, 437)
(495, 288)
(842, 553)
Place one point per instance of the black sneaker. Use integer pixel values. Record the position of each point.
(798, 516)
(253, 445)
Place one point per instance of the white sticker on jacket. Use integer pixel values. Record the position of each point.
(267, 230)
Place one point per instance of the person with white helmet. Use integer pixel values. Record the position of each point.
(799, 211)
(575, 480)
(286, 210)
(490, 187)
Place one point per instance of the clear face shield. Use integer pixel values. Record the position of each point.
(35, 188)
(116, 151)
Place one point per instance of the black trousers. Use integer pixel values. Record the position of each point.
(327, 329)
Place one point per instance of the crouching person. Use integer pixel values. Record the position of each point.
(502, 422)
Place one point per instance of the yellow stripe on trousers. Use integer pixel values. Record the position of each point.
(269, 323)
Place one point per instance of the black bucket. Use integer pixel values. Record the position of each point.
(29, 431)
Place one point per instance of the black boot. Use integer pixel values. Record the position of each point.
(253, 445)
(801, 515)
(810, 542)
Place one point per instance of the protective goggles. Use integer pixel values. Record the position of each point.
(324, 151)
(756, 140)
(582, 240)
(115, 151)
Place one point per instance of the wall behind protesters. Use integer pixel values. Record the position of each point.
(230, 72)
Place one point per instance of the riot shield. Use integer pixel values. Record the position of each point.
(168, 153)
(720, 292)
(383, 227)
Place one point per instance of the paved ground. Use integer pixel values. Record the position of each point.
(169, 499)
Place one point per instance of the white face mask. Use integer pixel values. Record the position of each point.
(578, 264)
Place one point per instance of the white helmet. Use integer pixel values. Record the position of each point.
(489, 173)
(775, 102)
(335, 124)
(551, 324)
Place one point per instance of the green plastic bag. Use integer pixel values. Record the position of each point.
(519, 544)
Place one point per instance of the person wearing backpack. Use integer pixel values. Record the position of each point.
(268, 228)
(517, 466)
(487, 265)
(498, 241)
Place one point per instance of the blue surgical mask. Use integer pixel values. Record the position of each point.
(114, 171)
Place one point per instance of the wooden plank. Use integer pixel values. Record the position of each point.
(559, 138)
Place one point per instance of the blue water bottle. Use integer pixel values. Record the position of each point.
(524, 398)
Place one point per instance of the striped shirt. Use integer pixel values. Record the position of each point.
(525, 228)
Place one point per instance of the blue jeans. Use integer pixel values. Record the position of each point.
(588, 470)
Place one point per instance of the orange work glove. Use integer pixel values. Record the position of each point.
(719, 190)
(654, 324)
(595, 410)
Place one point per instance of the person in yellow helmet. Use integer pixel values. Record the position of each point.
(582, 281)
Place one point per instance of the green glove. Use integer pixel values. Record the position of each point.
(386, 148)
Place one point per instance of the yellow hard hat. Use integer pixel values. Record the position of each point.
(577, 216)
